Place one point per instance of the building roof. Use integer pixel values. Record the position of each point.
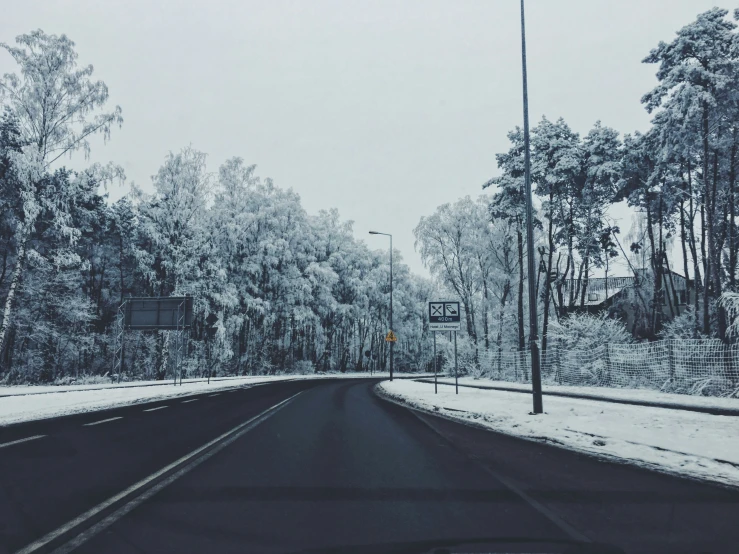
(597, 287)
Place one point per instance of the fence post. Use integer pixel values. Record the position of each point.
(728, 373)
(671, 362)
(544, 363)
(607, 374)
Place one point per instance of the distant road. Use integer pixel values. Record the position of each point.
(326, 466)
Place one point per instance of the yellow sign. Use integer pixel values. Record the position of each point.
(391, 337)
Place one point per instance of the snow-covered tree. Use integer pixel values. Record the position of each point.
(54, 107)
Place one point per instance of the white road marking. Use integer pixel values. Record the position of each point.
(157, 408)
(212, 395)
(187, 462)
(191, 400)
(102, 421)
(11, 443)
(511, 484)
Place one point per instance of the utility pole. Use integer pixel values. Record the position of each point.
(392, 343)
(533, 323)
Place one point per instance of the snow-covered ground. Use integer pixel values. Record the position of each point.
(18, 404)
(644, 395)
(688, 443)
(45, 389)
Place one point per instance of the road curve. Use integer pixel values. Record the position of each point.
(334, 469)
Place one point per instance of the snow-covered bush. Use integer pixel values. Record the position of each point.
(730, 302)
(303, 367)
(467, 355)
(683, 326)
(587, 331)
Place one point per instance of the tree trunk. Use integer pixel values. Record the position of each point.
(499, 338)
(584, 288)
(674, 298)
(547, 285)
(693, 247)
(14, 281)
(659, 275)
(562, 280)
(573, 293)
(605, 276)
(5, 263)
(469, 317)
(715, 249)
(683, 244)
(732, 214)
(579, 282)
(485, 300)
(705, 210)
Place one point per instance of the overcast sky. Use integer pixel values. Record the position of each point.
(382, 109)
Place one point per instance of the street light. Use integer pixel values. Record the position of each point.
(533, 323)
(392, 343)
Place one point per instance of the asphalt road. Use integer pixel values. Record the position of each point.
(332, 468)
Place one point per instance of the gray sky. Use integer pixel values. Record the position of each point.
(382, 109)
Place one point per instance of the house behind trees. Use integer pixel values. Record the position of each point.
(629, 298)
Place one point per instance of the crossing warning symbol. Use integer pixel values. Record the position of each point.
(391, 337)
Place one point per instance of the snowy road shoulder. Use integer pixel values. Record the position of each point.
(691, 444)
(27, 404)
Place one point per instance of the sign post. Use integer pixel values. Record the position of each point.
(169, 313)
(456, 371)
(436, 388)
(445, 316)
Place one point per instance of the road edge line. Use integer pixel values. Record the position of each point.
(179, 466)
(602, 456)
(568, 529)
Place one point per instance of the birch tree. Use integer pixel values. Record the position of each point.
(57, 107)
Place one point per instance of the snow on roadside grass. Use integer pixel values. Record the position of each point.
(14, 390)
(16, 409)
(693, 444)
(26, 406)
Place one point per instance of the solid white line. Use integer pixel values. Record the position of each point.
(225, 439)
(191, 400)
(11, 443)
(157, 408)
(511, 484)
(102, 421)
(212, 395)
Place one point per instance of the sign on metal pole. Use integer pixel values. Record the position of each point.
(172, 313)
(169, 313)
(444, 316)
(391, 337)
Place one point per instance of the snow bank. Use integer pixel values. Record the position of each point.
(691, 444)
(45, 389)
(643, 395)
(19, 404)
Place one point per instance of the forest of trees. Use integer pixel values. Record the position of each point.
(679, 178)
(297, 292)
(292, 292)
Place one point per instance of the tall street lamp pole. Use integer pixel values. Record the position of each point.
(533, 324)
(392, 343)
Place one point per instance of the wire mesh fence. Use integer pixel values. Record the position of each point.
(706, 367)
